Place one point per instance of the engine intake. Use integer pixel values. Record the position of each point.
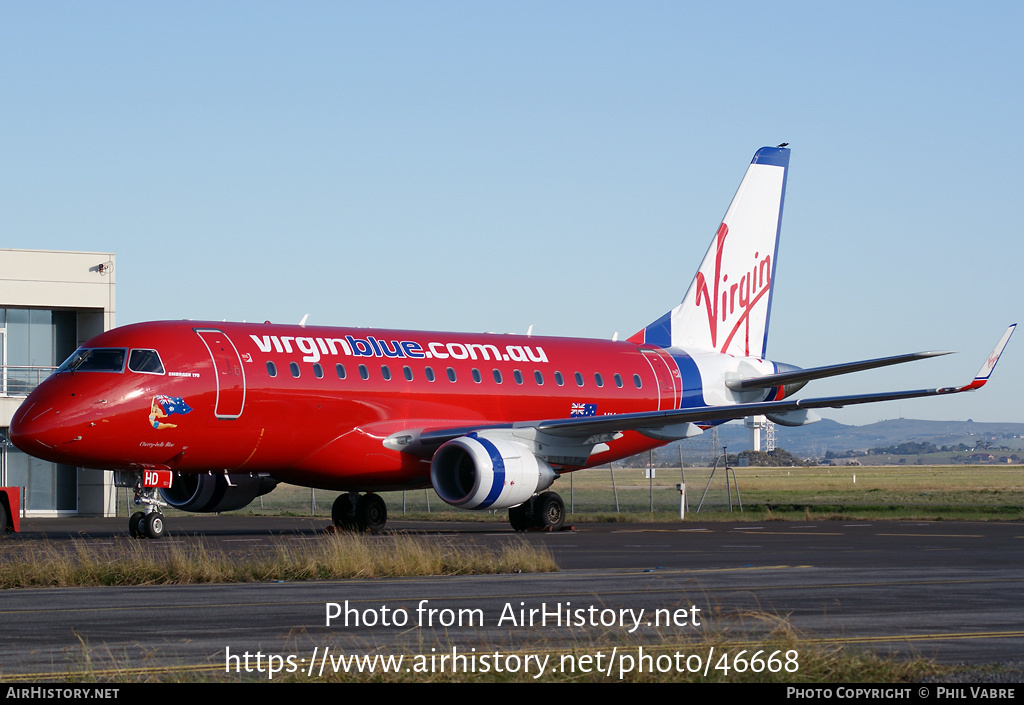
(213, 493)
(482, 473)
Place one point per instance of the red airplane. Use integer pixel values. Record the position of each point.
(207, 416)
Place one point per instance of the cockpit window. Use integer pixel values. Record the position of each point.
(145, 361)
(95, 360)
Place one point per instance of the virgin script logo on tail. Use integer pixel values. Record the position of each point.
(731, 303)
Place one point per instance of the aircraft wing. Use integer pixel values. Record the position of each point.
(671, 423)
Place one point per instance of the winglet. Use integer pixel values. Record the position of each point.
(990, 364)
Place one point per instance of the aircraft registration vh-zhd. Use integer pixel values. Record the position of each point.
(207, 416)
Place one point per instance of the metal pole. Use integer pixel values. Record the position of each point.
(615, 492)
(650, 479)
(728, 490)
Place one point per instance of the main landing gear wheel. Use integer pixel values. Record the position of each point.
(519, 517)
(545, 511)
(371, 513)
(549, 511)
(354, 512)
(343, 512)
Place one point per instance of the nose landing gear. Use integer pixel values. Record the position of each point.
(147, 524)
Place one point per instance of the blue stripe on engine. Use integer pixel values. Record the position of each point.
(498, 464)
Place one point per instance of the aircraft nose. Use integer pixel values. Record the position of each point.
(32, 429)
(37, 429)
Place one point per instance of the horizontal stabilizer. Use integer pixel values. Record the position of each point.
(805, 375)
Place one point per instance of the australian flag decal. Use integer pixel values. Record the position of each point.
(172, 405)
(163, 406)
(583, 409)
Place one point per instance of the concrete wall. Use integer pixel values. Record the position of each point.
(82, 282)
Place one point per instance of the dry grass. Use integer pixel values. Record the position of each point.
(334, 556)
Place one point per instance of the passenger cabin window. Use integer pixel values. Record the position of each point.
(451, 375)
(579, 379)
(407, 371)
(385, 372)
(598, 379)
(518, 376)
(476, 376)
(618, 380)
(637, 381)
(363, 372)
(294, 367)
(538, 377)
(147, 361)
(497, 375)
(95, 360)
(271, 369)
(429, 372)
(558, 379)
(318, 370)
(340, 369)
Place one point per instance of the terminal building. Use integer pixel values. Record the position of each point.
(50, 304)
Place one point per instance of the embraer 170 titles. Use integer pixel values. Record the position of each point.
(208, 416)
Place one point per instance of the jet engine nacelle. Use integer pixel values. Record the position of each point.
(215, 493)
(483, 473)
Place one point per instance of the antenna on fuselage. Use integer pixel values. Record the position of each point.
(303, 321)
(529, 331)
(615, 336)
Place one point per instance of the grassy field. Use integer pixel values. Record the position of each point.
(974, 492)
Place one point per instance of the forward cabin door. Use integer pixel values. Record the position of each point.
(229, 373)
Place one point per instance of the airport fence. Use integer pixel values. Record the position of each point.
(601, 490)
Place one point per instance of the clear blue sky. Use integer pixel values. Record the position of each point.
(487, 166)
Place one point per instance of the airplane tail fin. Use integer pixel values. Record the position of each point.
(728, 304)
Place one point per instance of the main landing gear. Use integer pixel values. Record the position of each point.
(355, 512)
(545, 511)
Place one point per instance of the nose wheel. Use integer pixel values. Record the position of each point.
(148, 524)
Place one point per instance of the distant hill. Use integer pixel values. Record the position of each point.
(816, 439)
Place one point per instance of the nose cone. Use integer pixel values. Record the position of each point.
(36, 429)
